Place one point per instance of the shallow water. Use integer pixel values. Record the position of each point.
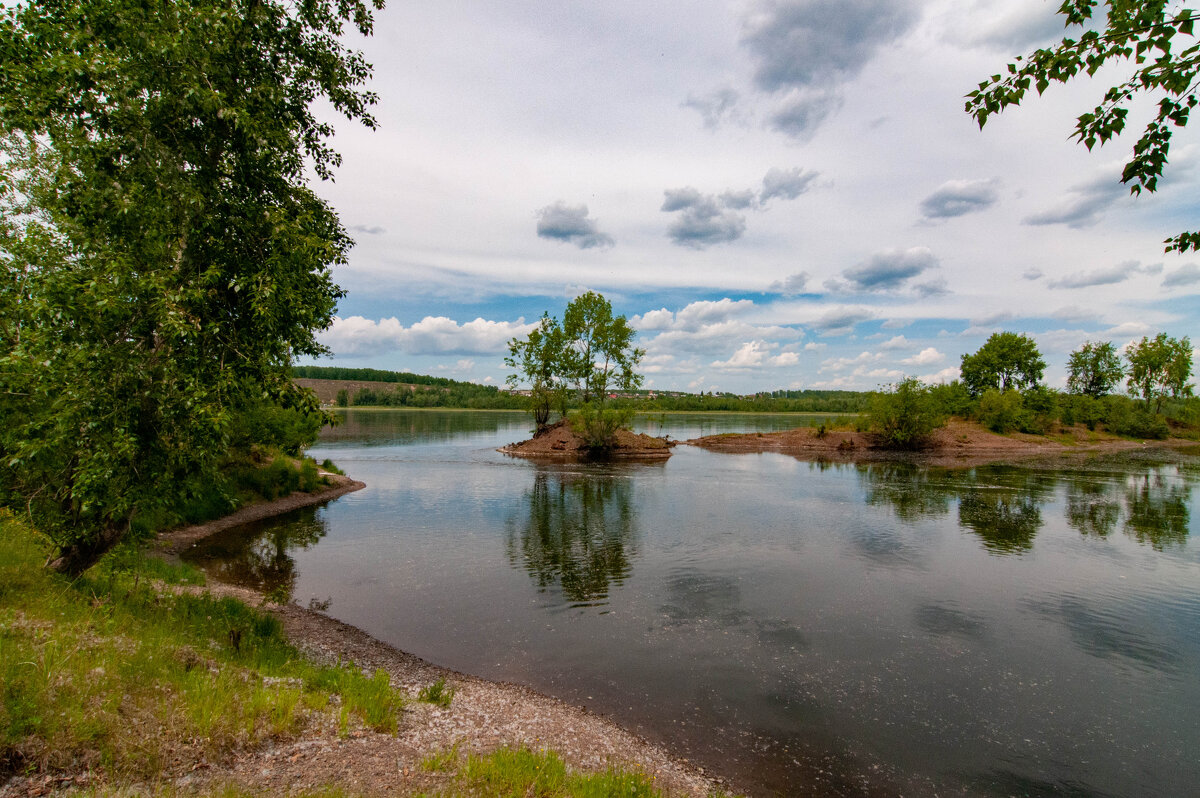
(799, 627)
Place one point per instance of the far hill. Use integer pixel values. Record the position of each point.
(381, 388)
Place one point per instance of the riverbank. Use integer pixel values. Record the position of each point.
(959, 443)
(482, 717)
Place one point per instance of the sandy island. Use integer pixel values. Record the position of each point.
(482, 717)
(959, 443)
(558, 441)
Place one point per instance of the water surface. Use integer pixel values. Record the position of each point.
(804, 628)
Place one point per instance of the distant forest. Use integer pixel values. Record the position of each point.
(445, 392)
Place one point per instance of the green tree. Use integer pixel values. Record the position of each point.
(1142, 37)
(1006, 360)
(539, 362)
(1094, 369)
(906, 416)
(1160, 367)
(163, 258)
(599, 353)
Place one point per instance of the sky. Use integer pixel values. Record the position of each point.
(778, 194)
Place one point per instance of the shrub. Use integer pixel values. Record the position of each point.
(1041, 408)
(597, 425)
(952, 399)
(1002, 412)
(905, 416)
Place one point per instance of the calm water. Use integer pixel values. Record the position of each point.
(802, 628)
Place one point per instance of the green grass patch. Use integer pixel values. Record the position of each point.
(116, 672)
(518, 772)
(437, 693)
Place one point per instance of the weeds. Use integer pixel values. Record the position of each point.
(437, 693)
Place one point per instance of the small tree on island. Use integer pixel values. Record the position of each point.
(589, 354)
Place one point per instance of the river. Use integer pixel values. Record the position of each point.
(799, 627)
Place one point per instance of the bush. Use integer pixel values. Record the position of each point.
(598, 425)
(273, 425)
(1002, 412)
(1141, 423)
(952, 399)
(1081, 409)
(906, 416)
(1041, 408)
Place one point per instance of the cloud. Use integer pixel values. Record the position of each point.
(887, 271)
(1008, 28)
(837, 364)
(1084, 206)
(791, 285)
(798, 43)
(803, 110)
(841, 321)
(715, 108)
(785, 183)
(806, 49)
(756, 354)
(697, 314)
(898, 342)
(570, 223)
(739, 200)
(1106, 276)
(357, 335)
(926, 357)
(701, 222)
(948, 374)
(960, 197)
(367, 230)
(1188, 274)
(1033, 274)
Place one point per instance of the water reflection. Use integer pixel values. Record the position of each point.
(577, 531)
(259, 555)
(1157, 510)
(913, 492)
(1004, 505)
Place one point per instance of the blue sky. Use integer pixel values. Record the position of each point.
(780, 194)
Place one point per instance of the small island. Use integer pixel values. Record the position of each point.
(560, 441)
(590, 353)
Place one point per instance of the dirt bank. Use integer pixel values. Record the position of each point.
(177, 540)
(559, 441)
(482, 717)
(959, 443)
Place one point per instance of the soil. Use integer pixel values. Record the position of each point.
(559, 441)
(959, 443)
(482, 717)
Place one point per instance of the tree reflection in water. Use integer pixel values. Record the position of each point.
(580, 533)
(1157, 510)
(258, 555)
(1003, 504)
(913, 492)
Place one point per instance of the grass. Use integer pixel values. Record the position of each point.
(520, 772)
(437, 693)
(116, 673)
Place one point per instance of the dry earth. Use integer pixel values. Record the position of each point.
(959, 443)
(559, 441)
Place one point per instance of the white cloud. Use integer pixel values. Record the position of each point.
(357, 335)
(926, 357)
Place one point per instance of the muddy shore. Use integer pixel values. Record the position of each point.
(958, 444)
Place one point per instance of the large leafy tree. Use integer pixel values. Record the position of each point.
(1094, 369)
(1006, 360)
(1160, 367)
(163, 257)
(1154, 44)
(599, 353)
